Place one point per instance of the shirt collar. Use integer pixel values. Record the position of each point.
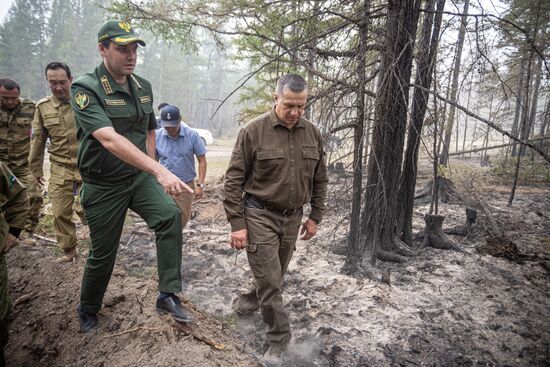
(55, 101)
(276, 121)
(110, 85)
(181, 133)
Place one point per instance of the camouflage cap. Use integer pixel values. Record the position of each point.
(119, 32)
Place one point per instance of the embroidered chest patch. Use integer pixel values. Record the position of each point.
(145, 99)
(115, 102)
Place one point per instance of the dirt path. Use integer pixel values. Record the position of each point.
(440, 309)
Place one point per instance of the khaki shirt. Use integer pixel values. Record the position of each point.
(283, 168)
(14, 205)
(15, 134)
(98, 101)
(55, 120)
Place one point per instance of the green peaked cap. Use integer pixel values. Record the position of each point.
(119, 32)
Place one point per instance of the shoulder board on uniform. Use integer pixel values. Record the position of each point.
(106, 85)
(27, 102)
(43, 100)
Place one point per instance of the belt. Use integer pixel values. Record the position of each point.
(254, 202)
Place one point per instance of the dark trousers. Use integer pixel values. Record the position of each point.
(105, 208)
(272, 240)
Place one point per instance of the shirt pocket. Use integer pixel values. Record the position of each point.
(270, 163)
(53, 125)
(310, 157)
(120, 118)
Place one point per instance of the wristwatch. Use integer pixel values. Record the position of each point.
(201, 185)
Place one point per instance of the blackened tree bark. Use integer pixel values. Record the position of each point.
(454, 88)
(424, 72)
(379, 216)
(358, 138)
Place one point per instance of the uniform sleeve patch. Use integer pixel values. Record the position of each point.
(81, 100)
(145, 99)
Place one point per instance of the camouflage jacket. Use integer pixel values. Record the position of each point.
(14, 203)
(15, 134)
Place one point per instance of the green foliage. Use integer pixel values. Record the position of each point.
(36, 32)
(530, 172)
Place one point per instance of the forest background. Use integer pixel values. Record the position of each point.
(388, 82)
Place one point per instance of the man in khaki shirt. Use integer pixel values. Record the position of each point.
(277, 166)
(54, 119)
(15, 134)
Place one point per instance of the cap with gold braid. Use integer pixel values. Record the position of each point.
(119, 32)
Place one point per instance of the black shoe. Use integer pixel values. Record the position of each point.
(172, 306)
(88, 321)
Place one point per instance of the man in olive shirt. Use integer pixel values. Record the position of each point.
(14, 206)
(15, 135)
(54, 118)
(277, 166)
(116, 129)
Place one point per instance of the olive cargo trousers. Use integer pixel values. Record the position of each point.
(105, 207)
(271, 243)
(62, 191)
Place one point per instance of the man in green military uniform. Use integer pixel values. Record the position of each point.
(277, 166)
(14, 204)
(54, 118)
(116, 129)
(15, 132)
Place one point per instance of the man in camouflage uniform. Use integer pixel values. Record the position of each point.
(15, 135)
(54, 119)
(14, 206)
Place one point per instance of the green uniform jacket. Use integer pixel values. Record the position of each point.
(15, 134)
(98, 102)
(14, 203)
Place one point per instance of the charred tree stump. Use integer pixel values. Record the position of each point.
(434, 236)
(465, 230)
(448, 193)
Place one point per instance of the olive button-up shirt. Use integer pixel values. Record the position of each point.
(284, 168)
(54, 119)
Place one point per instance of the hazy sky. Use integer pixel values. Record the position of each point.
(4, 7)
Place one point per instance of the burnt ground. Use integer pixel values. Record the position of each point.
(442, 308)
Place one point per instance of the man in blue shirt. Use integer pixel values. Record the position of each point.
(177, 145)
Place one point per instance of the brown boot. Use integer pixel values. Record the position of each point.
(273, 357)
(68, 257)
(28, 240)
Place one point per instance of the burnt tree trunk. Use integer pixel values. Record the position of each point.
(519, 104)
(429, 42)
(354, 248)
(443, 159)
(465, 229)
(379, 215)
(434, 236)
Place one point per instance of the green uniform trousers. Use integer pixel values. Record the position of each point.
(272, 240)
(4, 307)
(35, 196)
(105, 207)
(62, 193)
